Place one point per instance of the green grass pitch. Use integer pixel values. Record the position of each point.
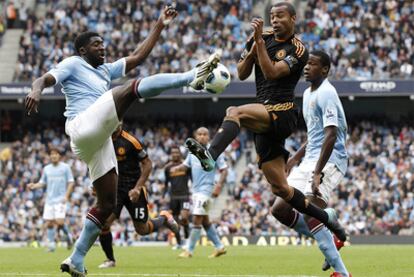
(253, 261)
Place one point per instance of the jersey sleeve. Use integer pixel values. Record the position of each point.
(63, 69)
(187, 161)
(117, 69)
(221, 163)
(327, 104)
(69, 175)
(167, 175)
(136, 145)
(298, 58)
(247, 48)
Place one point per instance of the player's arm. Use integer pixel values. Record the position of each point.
(271, 70)
(33, 186)
(146, 167)
(144, 49)
(69, 190)
(220, 183)
(246, 62)
(296, 158)
(180, 167)
(33, 98)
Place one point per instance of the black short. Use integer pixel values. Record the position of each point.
(271, 145)
(138, 211)
(176, 205)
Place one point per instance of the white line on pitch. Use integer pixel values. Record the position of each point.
(155, 274)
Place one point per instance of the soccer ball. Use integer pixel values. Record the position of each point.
(218, 80)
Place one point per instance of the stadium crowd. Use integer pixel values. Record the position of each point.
(376, 196)
(366, 39)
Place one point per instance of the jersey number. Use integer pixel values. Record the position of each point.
(140, 213)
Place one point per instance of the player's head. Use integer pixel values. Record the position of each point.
(282, 18)
(175, 154)
(117, 131)
(202, 135)
(54, 155)
(318, 66)
(90, 46)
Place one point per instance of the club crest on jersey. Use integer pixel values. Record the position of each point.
(281, 54)
(121, 151)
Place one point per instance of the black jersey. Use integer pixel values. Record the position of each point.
(178, 182)
(294, 53)
(129, 154)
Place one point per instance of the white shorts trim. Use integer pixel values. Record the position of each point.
(201, 204)
(54, 211)
(90, 135)
(301, 178)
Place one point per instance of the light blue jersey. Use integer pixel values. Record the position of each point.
(56, 179)
(322, 108)
(203, 181)
(82, 84)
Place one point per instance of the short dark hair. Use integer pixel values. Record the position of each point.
(289, 7)
(323, 56)
(83, 38)
(54, 149)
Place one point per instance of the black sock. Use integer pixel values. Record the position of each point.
(157, 223)
(227, 132)
(186, 230)
(106, 244)
(302, 205)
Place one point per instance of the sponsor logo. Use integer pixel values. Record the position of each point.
(281, 54)
(378, 86)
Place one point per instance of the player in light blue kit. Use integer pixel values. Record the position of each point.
(203, 189)
(324, 158)
(93, 112)
(58, 179)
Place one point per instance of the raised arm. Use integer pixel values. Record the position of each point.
(271, 70)
(33, 98)
(146, 167)
(246, 63)
(145, 48)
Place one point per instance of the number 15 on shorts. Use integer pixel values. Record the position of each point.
(140, 214)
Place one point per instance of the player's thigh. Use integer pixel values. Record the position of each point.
(138, 210)
(254, 117)
(109, 221)
(201, 204)
(185, 211)
(175, 207)
(48, 213)
(274, 171)
(106, 191)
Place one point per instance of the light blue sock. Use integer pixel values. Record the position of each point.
(86, 239)
(51, 238)
(194, 237)
(212, 235)
(301, 227)
(153, 85)
(328, 248)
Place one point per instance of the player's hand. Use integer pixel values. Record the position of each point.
(257, 25)
(216, 191)
(174, 169)
(32, 101)
(168, 15)
(134, 195)
(30, 186)
(316, 181)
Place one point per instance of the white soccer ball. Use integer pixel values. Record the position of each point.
(218, 80)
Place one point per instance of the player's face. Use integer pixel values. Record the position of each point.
(95, 51)
(54, 157)
(202, 136)
(313, 69)
(175, 155)
(282, 22)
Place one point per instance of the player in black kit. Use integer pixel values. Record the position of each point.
(177, 182)
(134, 167)
(278, 58)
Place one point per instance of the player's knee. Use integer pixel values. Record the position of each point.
(141, 230)
(206, 226)
(279, 190)
(232, 111)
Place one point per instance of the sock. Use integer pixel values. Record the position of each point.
(64, 229)
(178, 237)
(194, 237)
(105, 238)
(213, 236)
(302, 205)
(51, 238)
(186, 230)
(327, 246)
(153, 85)
(87, 237)
(301, 227)
(157, 223)
(225, 135)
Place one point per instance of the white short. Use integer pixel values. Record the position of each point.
(90, 135)
(301, 178)
(201, 204)
(54, 211)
